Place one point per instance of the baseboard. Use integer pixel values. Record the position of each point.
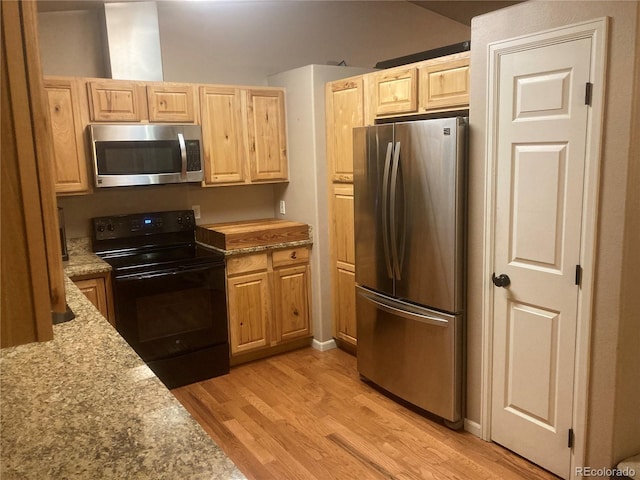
(324, 346)
(473, 428)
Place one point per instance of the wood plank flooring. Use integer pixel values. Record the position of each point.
(307, 415)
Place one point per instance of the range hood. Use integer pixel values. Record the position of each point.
(133, 41)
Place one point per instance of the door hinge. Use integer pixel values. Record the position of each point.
(588, 91)
(578, 275)
(570, 438)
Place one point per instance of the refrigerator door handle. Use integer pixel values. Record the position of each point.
(397, 267)
(385, 209)
(402, 309)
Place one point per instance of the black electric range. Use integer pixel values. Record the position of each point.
(169, 293)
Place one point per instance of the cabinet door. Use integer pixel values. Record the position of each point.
(116, 101)
(224, 158)
(266, 135)
(345, 318)
(396, 91)
(344, 264)
(345, 110)
(171, 102)
(291, 291)
(94, 289)
(444, 85)
(70, 172)
(249, 310)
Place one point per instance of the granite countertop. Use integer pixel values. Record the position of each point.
(82, 261)
(261, 248)
(84, 405)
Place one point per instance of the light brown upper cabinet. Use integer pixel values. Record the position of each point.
(436, 85)
(67, 127)
(171, 102)
(222, 135)
(116, 101)
(444, 85)
(396, 91)
(132, 101)
(244, 135)
(266, 135)
(344, 111)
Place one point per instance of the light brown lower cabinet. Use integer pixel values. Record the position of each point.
(269, 303)
(98, 290)
(343, 266)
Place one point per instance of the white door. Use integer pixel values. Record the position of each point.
(541, 146)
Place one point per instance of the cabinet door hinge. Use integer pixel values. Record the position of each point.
(588, 91)
(570, 438)
(578, 275)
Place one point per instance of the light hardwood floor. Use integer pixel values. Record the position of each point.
(307, 415)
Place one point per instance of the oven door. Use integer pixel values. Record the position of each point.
(166, 313)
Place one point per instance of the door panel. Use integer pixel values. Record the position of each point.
(372, 168)
(542, 131)
(539, 188)
(429, 213)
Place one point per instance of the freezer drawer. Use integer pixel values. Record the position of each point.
(411, 351)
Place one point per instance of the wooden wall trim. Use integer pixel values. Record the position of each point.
(45, 158)
(25, 289)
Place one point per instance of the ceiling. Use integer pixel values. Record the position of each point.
(459, 10)
(463, 11)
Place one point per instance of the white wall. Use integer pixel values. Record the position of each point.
(244, 42)
(306, 195)
(217, 204)
(613, 419)
(72, 43)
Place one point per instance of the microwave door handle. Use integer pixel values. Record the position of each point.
(183, 156)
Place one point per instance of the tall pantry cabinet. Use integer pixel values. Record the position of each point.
(345, 109)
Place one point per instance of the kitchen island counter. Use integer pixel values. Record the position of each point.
(84, 405)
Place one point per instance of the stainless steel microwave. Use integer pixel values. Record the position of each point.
(145, 154)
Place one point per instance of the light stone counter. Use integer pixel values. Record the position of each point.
(82, 261)
(85, 406)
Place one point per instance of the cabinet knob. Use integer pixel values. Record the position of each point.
(294, 255)
(295, 312)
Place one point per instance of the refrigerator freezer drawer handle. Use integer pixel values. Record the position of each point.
(395, 310)
(385, 209)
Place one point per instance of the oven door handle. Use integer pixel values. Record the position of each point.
(144, 276)
(165, 273)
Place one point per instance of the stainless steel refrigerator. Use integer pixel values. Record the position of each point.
(409, 187)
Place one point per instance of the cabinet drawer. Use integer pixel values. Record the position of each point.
(247, 263)
(290, 256)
